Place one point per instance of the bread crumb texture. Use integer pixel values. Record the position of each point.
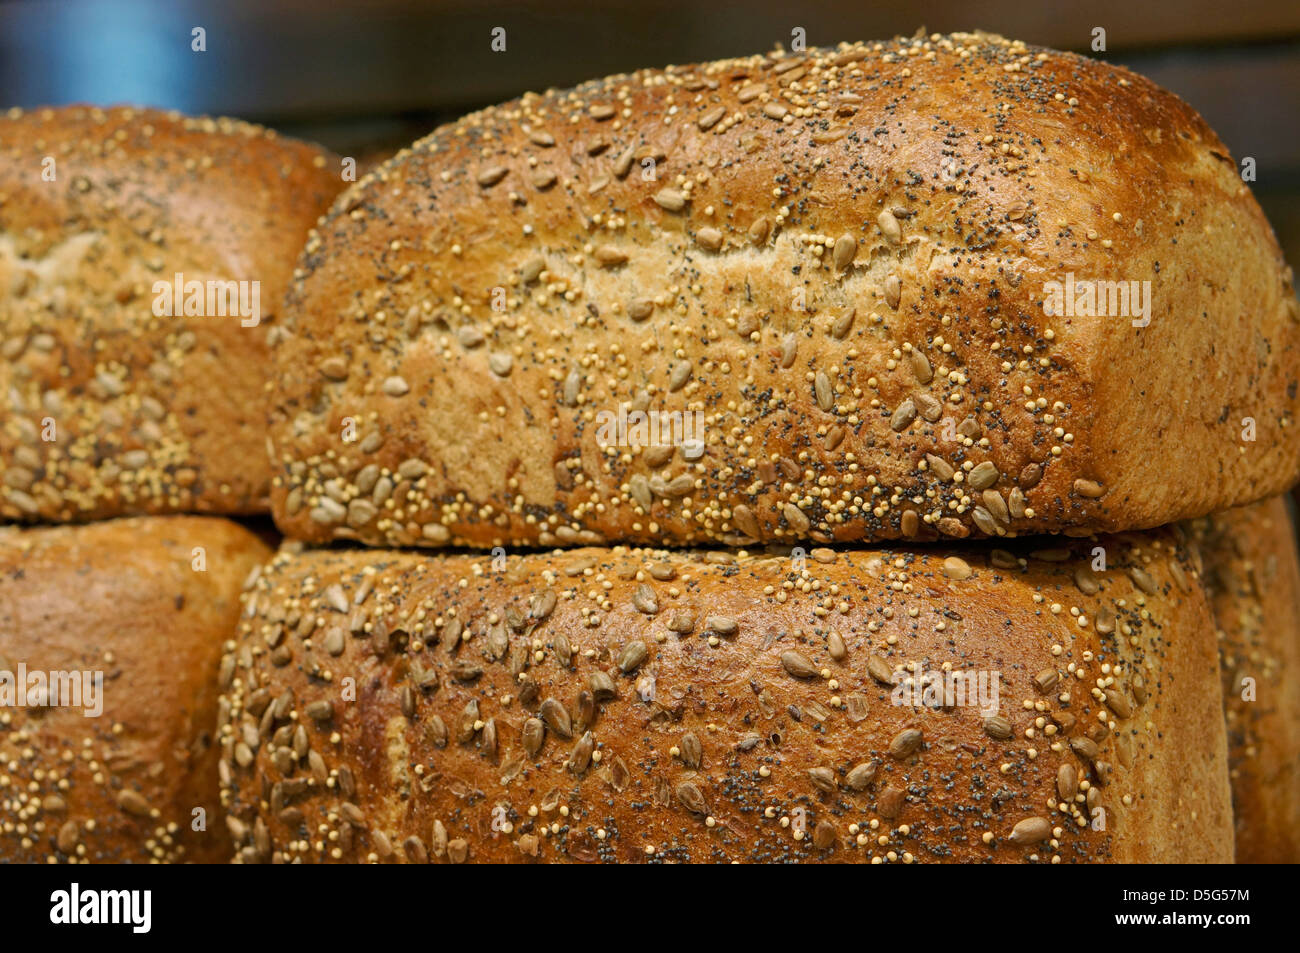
(824, 282)
(108, 407)
(640, 705)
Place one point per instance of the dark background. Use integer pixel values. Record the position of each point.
(365, 77)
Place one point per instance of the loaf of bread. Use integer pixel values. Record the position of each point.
(110, 639)
(639, 705)
(142, 255)
(1254, 582)
(850, 294)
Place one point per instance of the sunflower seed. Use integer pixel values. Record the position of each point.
(860, 775)
(880, 669)
(133, 803)
(580, 759)
(1117, 703)
(1086, 581)
(1089, 489)
(796, 518)
(670, 199)
(940, 467)
(534, 736)
(1067, 782)
(824, 835)
(996, 726)
(709, 239)
(692, 752)
(983, 476)
(645, 600)
(681, 622)
(984, 520)
(903, 415)
(1032, 830)
(893, 291)
(843, 323)
(797, 664)
(1016, 503)
(745, 520)
(846, 249)
(712, 118)
(492, 175)
(823, 779)
(1142, 579)
(921, 367)
(889, 227)
(640, 309)
(789, 350)
(905, 744)
(659, 455)
(556, 718)
(997, 507)
(721, 624)
(692, 798)
(954, 567)
(630, 659)
(1085, 748)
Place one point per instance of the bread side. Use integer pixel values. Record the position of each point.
(655, 706)
(124, 601)
(1253, 576)
(831, 270)
(117, 400)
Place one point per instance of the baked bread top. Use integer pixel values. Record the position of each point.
(115, 399)
(1253, 576)
(112, 761)
(842, 262)
(660, 706)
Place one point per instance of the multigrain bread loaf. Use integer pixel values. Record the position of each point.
(842, 262)
(146, 604)
(114, 399)
(1254, 582)
(637, 705)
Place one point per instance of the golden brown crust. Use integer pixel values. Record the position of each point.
(121, 598)
(1253, 576)
(638, 705)
(108, 408)
(841, 263)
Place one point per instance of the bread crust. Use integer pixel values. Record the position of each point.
(842, 264)
(1253, 576)
(109, 407)
(560, 707)
(121, 598)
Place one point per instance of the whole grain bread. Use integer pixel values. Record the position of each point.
(146, 603)
(1253, 576)
(655, 706)
(108, 406)
(843, 262)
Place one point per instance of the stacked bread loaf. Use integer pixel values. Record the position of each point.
(139, 254)
(823, 457)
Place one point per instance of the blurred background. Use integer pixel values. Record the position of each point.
(366, 77)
